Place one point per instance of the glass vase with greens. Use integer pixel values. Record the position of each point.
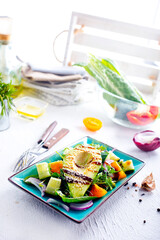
(6, 102)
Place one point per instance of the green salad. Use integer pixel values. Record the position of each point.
(82, 174)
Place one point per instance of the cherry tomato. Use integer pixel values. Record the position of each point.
(92, 124)
(139, 117)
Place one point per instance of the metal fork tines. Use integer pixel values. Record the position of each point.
(23, 160)
(32, 154)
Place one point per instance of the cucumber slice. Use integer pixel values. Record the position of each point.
(128, 166)
(112, 156)
(43, 170)
(53, 185)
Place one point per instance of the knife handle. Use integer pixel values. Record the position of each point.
(47, 132)
(58, 136)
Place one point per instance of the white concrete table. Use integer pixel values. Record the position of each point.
(22, 217)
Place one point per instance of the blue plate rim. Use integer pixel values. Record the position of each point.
(105, 199)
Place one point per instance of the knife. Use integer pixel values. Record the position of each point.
(47, 133)
(53, 140)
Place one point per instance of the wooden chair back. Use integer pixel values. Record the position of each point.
(135, 48)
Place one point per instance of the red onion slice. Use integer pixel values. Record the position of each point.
(51, 200)
(81, 206)
(38, 184)
(147, 140)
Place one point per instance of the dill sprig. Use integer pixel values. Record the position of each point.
(6, 92)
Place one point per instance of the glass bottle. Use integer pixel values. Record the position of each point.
(10, 67)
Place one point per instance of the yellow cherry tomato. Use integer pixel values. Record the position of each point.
(92, 124)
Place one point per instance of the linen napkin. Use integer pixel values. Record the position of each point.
(57, 89)
(40, 76)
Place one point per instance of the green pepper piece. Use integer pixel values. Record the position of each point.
(70, 200)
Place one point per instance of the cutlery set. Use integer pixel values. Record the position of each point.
(42, 146)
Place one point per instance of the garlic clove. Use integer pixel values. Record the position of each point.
(148, 183)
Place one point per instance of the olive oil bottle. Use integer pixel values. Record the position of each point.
(10, 66)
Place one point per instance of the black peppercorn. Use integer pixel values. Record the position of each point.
(126, 184)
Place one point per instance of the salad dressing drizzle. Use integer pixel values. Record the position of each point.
(76, 174)
(71, 180)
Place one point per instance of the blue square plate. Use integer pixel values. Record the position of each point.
(77, 216)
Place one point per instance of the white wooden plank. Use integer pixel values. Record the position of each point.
(70, 40)
(128, 68)
(139, 74)
(118, 26)
(148, 53)
(120, 217)
(157, 87)
(142, 71)
(77, 57)
(109, 38)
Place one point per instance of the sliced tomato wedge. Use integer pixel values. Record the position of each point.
(143, 115)
(93, 124)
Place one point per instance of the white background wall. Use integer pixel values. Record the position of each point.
(37, 22)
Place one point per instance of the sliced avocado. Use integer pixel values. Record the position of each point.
(53, 185)
(80, 167)
(128, 166)
(112, 156)
(43, 170)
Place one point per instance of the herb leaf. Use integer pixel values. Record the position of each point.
(103, 178)
(6, 92)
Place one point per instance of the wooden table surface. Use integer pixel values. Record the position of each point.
(22, 217)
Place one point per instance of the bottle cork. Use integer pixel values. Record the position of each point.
(5, 29)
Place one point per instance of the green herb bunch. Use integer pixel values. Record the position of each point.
(6, 92)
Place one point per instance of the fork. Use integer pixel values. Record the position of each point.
(23, 158)
(41, 149)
